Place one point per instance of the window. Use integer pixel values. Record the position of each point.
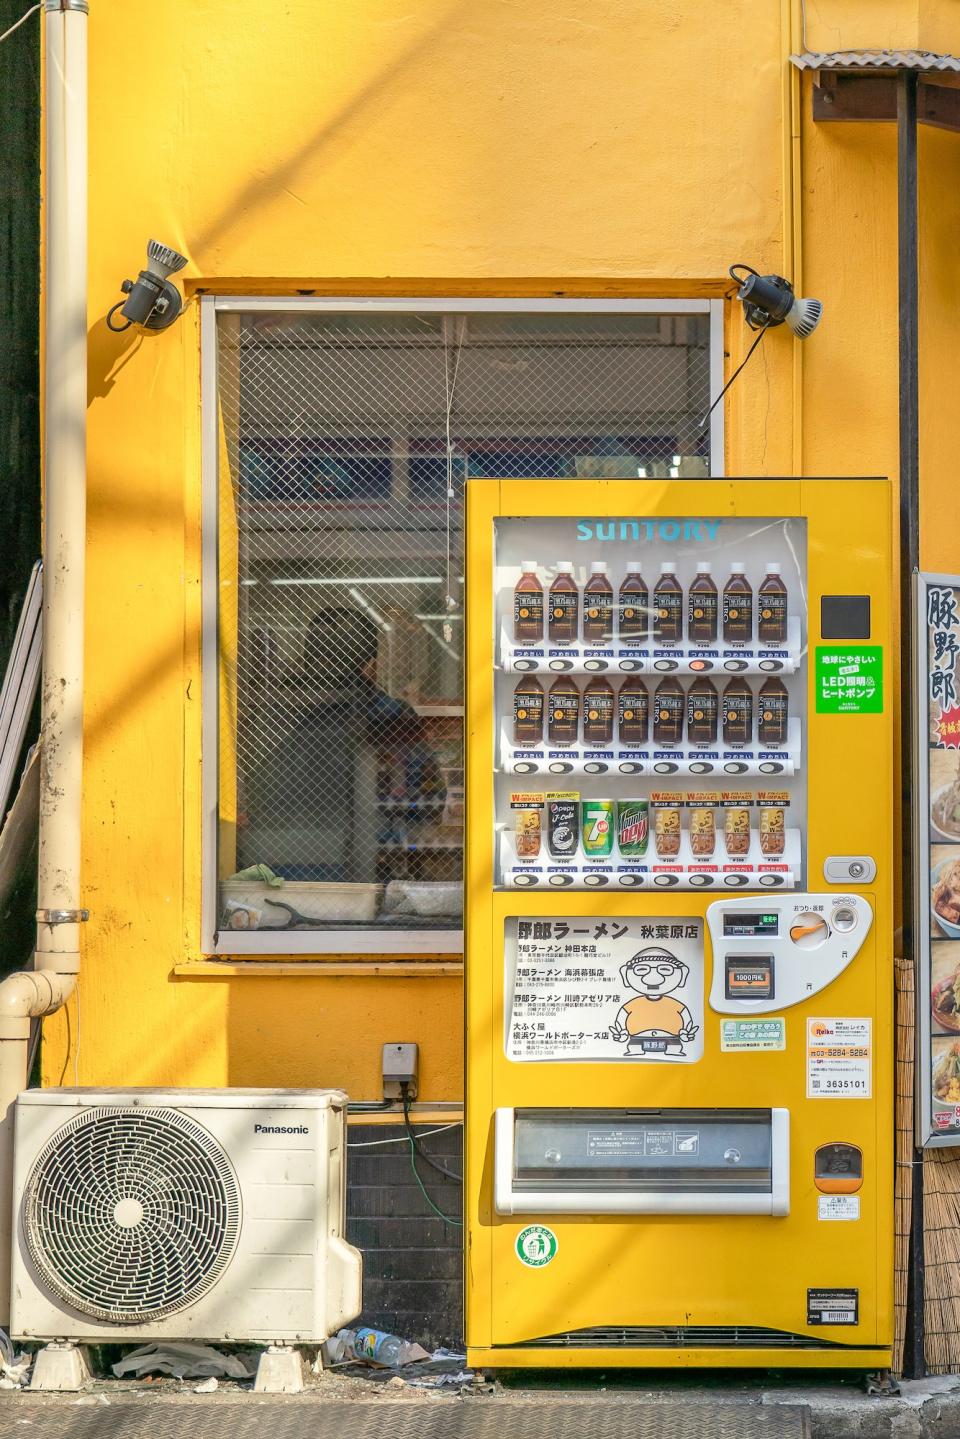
(338, 440)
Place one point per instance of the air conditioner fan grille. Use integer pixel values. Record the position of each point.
(131, 1214)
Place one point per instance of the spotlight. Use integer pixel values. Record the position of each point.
(152, 301)
(769, 300)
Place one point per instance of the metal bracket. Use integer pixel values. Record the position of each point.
(62, 916)
(81, 5)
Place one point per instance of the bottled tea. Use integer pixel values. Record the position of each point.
(528, 711)
(598, 707)
(772, 608)
(668, 606)
(773, 713)
(668, 706)
(563, 711)
(703, 706)
(737, 608)
(633, 605)
(563, 623)
(633, 712)
(528, 606)
(737, 712)
(702, 606)
(598, 605)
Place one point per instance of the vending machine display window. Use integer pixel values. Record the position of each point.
(650, 708)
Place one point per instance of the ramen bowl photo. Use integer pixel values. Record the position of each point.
(945, 814)
(945, 896)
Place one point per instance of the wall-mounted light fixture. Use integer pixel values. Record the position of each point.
(152, 301)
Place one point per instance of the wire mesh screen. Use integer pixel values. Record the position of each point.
(346, 440)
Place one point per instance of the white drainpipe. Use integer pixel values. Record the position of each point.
(59, 914)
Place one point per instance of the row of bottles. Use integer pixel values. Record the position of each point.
(708, 614)
(565, 714)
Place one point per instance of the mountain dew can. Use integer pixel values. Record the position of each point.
(597, 828)
(633, 828)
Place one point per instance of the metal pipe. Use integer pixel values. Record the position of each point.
(909, 306)
(59, 914)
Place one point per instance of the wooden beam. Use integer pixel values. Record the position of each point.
(842, 96)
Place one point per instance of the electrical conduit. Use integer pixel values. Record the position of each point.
(26, 996)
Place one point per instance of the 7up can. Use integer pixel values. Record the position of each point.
(597, 828)
(633, 827)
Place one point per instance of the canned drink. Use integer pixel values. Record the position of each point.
(597, 827)
(633, 827)
(563, 810)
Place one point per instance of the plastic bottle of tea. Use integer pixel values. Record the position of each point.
(528, 606)
(737, 608)
(737, 712)
(773, 713)
(668, 707)
(703, 705)
(772, 608)
(668, 606)
(702, 607)
(633, 712)
(634, 603)
(598, 708)
(598, 605)
(563, 624)
(563, 711)
(528, 711)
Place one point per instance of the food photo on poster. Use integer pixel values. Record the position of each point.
(938, 852)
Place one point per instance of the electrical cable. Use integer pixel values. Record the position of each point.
(400, 1139)
(427, 1159)
(447, 1218)
(703, 423)
(17, 23)
(371, 1106)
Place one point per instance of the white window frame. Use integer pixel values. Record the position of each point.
(351, 941)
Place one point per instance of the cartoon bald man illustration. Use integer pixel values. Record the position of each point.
(654, 1022)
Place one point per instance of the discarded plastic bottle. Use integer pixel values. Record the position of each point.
(373, 1346)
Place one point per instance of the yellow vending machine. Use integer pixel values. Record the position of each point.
(679, 923)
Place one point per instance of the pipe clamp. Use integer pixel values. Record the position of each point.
(62, 916)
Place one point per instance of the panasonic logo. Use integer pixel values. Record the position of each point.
(280, 1129)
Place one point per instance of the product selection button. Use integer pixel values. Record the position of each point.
(595, 664)
(769, 767)
(736, 881)
(770, 880)
(524, 881)
(735, 768)
(699, 767)
(665, 665)
(561, 880)
(698, 665)
(525, 664)
(629, 768)
(734, 664)
(701, 880)
(631, 664)
(664, 768)
(524, 767)
(594, 880)
(561, 664)
(631, 881)
(595, 767)
(771, 664)
(558, 768)
(665, 879)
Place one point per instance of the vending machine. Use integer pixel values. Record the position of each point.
(679, 923)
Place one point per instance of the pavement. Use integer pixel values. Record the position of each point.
(621, 1405)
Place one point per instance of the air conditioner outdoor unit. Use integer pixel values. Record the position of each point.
(189, 1214)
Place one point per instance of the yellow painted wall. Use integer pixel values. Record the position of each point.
(447, 146)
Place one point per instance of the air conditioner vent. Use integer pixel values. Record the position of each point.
(131, 1214)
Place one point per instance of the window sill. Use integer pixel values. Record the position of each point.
(306, 968)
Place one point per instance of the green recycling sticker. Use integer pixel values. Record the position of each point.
(849, 681)
(536, 1245)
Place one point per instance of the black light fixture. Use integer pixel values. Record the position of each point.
(768, 300)
(152, 301)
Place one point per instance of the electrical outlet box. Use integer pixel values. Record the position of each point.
(401, 1064)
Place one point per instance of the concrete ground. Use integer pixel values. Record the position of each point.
(631, 1403)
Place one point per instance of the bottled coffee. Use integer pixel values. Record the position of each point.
(598, 605)
(633, 606)
(703, 705)
(773, 713)
(737, 713)
(528, 605)
(668, 606)
(772, 608)
(668, 706)
(737, 608)
(563, 625)
(528, 711)
(633, 712)
(598, 705)
(563, 711)
(702, 607)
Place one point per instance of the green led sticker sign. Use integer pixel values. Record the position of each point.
(849, 681)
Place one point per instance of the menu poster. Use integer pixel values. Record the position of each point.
(937, 840)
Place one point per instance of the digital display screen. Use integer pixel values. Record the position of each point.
(746, 926)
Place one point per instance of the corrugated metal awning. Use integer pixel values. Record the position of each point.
(862, 60)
